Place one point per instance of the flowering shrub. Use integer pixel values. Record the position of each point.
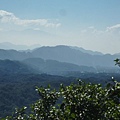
(78, 102)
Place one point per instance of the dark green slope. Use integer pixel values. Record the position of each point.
(14, 67)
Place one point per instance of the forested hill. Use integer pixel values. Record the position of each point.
(14, 67)
(55, 67)
(18, 90)
(38, 66)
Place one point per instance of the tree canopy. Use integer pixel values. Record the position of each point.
(81, 101)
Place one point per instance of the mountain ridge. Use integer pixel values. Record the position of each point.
(55, 67)
(62, 53)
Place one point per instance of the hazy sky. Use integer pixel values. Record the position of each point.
(91, 24)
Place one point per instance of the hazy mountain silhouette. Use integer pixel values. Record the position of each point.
(55, 67)
(69, 55)
(87, 51)
(62, 54)
(13, 55)
(14, 67)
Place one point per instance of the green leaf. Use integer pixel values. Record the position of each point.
(73, 115)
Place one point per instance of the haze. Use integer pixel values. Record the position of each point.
(91, 24)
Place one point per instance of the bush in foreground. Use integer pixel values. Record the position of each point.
(74, 102)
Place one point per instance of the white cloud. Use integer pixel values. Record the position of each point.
(91, 30)
(7, 17)
(114, 29)
(53, 25)
(106, 40)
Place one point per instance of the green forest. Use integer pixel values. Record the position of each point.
(85, 96)
(78, 101)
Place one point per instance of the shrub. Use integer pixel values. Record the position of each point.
(78, 102)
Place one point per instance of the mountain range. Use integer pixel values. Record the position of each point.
(60, 59)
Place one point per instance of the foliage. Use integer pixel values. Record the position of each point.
(80, 101)
(17, 90)
(117, 62)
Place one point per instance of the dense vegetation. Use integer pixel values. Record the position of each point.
(79, 102)
(71, 102)
(17, 90)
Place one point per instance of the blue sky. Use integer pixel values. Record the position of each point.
(91, 24)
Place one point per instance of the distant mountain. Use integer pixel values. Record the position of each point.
(117, 54)
(14, 67)
(70, 55)
(9, 46)
(62, 54)
(38, 65)
(13, 55)
(54, 67)
(87, 51)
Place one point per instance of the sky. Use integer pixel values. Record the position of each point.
(90, 24)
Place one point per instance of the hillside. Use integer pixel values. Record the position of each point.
(70, 55)
(55, 67)
(38, 65)
(63, 54)
(14, 67)
(13, 54)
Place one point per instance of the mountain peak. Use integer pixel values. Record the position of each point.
(87, 51)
